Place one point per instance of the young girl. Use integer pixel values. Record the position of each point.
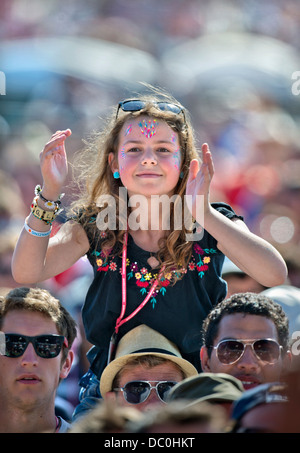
(142, 274)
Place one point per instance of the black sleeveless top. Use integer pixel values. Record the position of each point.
(176, 311)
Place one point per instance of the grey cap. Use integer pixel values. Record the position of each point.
(211, 387)
(288, 297)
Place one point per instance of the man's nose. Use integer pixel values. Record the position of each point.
(29, 356)
(248, 359)
(153, 399)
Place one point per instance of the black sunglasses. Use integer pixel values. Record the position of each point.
(230, 351)
(45, 346)
(134, 105)
(136, 392)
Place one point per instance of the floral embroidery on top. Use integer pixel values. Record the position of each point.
(144, 277)
(202, 263)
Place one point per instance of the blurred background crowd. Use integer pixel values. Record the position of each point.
(231, 63)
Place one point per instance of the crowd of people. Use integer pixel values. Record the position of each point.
(251, 385)
(155, 313)
(128, 327)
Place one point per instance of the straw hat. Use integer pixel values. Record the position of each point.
(140, 341)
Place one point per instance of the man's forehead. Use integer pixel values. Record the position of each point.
(23, 320)
(246, 326)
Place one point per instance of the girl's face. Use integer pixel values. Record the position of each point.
(149, 157)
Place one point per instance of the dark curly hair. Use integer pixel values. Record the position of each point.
(249, 304)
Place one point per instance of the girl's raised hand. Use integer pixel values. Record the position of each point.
(199, 180)
(54, 164)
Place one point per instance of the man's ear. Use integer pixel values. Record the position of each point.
(205, 362)
(66, 366)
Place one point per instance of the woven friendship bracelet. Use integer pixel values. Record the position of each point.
(39, 234)
(45, 216)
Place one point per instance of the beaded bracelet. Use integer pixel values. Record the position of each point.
(40, 234)
(52, 205)
(45, 216)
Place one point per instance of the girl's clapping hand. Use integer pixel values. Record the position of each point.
(199, 180)
(53, 162)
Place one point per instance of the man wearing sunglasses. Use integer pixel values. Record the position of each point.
(246, 336)
(145, 368)
(36, 334)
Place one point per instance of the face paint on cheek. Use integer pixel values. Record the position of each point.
(148, 128)
(122, 152)
(122, 156)
(177, 158)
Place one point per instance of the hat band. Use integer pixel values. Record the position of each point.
(154, 350)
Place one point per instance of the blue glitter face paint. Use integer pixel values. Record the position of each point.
(122, 152)
(123, 156)
(148, 128)
(177, 158)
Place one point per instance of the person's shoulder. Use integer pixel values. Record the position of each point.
(218, 205)
(225, 209)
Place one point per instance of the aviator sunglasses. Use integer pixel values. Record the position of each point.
(134, 105)
(45, 346)
(136, 392)
(230, 351)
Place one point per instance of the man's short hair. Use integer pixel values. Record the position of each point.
(248, 304)
(40, 301)
(148, 361)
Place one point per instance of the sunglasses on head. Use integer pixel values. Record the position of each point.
(134, 105)
(230, 351)
(136, 392)
(45, 346)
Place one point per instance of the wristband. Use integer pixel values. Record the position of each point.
(40, 234)
(52, 205)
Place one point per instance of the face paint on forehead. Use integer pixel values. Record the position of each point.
(148, 128)
(173, 137)
(128, 130)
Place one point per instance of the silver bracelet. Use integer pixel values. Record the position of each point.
(39, 234)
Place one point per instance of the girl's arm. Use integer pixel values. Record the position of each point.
(37, 258)
(252, 254)
(249, 252)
